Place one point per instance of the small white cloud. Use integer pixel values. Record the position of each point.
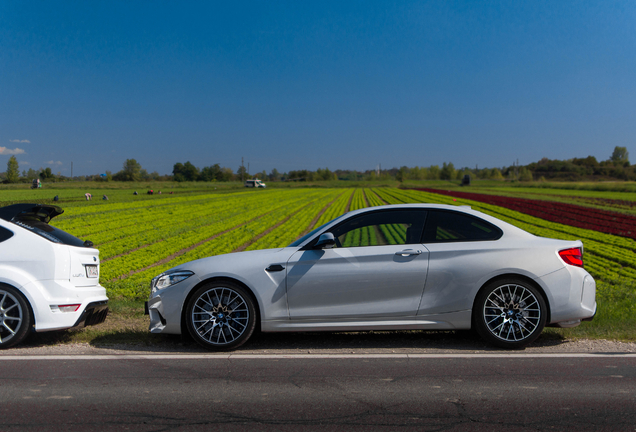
(25, 163)
(53, 162)
(8, 151)
(21, 141)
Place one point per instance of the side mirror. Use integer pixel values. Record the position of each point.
(325, 241)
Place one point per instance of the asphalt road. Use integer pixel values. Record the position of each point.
(523, 392)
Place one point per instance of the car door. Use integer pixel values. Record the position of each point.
(377, 269)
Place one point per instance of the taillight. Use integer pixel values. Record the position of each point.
(572, 256)
(65, 308)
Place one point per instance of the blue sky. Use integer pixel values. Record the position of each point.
(302, 85)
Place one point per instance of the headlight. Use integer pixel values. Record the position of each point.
(166, 279)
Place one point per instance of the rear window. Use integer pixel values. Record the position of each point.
(51, 233)
(449, 226)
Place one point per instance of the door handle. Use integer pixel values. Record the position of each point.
(275, 268)
(407, 252)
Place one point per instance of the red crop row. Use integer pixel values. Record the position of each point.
(568, 214)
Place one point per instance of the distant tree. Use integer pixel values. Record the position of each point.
(177, 172)
(525, 175)
(227, 174)
(448, 171)
(300, 175)
(185, 172)
(433, 172)
(13, 170)
(620, 156)
(190, 171)
(402, 174)
(131, 171)
(46, 174)
(324, 174)
(274, 175)
(495, 174)
(242, 173)
(211, 173)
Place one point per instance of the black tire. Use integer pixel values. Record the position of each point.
(509, 313)
(15, 317)
(221, 316)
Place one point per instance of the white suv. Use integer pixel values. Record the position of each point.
(49, 279)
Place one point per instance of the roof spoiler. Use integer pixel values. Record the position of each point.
(41, 212)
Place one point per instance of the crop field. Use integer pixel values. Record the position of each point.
(570, 214)
(139, 236)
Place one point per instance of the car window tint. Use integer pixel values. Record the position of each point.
(388, 227)
(450, 226)
(50, 232)
(5, 234)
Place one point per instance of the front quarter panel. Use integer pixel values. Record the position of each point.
(248, 268)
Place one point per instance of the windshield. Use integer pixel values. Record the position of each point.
(314, 231)
(306, 236)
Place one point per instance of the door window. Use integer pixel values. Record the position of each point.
(450, 226)
(388, 227)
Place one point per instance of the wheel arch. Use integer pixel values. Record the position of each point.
(510, 276)
(184, 328)
(26, 300)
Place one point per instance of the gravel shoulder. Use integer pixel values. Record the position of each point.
(325, 343)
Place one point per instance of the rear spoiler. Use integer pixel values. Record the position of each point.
(41, 212)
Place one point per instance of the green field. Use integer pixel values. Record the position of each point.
(139, 236)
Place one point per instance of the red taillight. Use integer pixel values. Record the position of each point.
(572, 256)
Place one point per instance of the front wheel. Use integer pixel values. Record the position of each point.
(221, 316)
(15, 317)
(509, 313)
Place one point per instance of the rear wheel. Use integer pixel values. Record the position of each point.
(509, 313)
(221, 316)
(15, 317)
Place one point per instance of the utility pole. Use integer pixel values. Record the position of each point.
(242, 171)
(248, 168)
(71, 171)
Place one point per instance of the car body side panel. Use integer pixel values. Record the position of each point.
(457, 271)
(572, 294)
(247, 268)
(451, 321)
(344, 283)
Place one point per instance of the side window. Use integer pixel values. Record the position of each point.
(387, 227)
(449, 226)
(5, 234)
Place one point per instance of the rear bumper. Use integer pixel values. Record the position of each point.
(45, 296)
(94, 313)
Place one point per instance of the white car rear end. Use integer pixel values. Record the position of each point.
(49, 279)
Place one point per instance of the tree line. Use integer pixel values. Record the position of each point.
(616, 167)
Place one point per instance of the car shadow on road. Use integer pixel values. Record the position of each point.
(371, 342)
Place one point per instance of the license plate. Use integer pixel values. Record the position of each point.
(91, 271)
